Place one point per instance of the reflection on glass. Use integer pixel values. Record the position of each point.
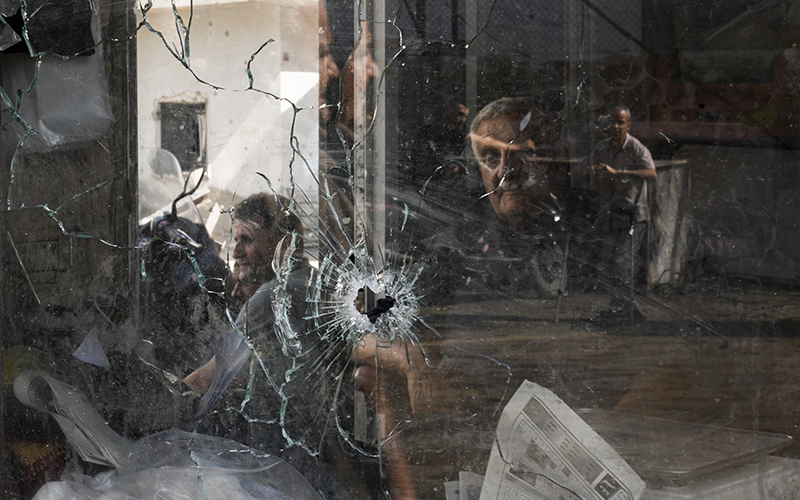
(350, 259)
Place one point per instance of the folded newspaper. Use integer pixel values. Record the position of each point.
(545, 451)
(83, 426)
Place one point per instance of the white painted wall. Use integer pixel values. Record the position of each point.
(247, 131)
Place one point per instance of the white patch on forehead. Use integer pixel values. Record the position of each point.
(525, 121)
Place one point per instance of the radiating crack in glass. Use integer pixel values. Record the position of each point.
(319, 329)
(182, 54)
(319, 332)
(14, 108)
(317, 321)
(346, 268)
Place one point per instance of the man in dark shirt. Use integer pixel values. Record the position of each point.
(437, 151)
(513, 143)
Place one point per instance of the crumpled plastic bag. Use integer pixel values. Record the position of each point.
(177, 465)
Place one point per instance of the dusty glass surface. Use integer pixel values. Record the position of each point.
(343, 234)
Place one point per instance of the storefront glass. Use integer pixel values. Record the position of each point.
(317, 248)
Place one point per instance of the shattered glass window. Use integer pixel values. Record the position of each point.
(451, 249)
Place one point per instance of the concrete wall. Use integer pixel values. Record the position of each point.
(247, 131)
(744, 210)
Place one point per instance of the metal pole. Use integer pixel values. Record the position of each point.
(378, 167)
(471, 76)
(563, 278)
(633, 257)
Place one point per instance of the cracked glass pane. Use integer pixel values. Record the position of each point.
(394, 249)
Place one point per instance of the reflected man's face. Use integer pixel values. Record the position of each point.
(516, 181)
(619, 123)
(460, 114)
(253, 251)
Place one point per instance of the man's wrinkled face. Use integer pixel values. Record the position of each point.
(619, 123)
(518, 184)
(253, 252)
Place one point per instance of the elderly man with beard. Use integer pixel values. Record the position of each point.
(296, 388)
(260, 222)
(264, 229)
